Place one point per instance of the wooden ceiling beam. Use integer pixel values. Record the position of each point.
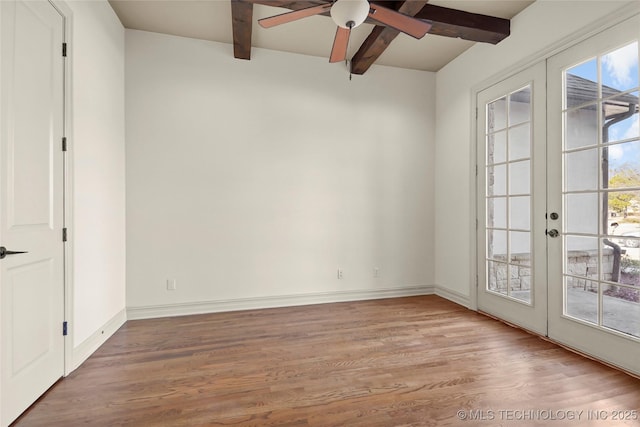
(380, 38)
(445, 22)
(465, 25)
(242, 25)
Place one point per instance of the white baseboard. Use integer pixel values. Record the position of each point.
(452, 296)
(87, 347)
(183, 309)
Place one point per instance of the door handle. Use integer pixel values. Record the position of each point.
(4, 252)
(553, 233)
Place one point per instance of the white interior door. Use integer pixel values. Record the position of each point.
(511, 200)
(594, 185)
(31, 203)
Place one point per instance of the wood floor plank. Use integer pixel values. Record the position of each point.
(399, 362)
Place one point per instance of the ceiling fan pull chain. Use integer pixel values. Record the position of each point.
(346, 60)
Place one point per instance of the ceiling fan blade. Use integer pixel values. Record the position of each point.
(340, 44)
(293, 15)
(407, 24)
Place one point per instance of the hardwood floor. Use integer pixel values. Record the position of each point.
(399, 362)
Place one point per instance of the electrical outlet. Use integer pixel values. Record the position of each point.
(376, 272)
(171, 284)
(339, 273)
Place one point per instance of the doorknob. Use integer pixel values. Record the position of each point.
(4, 252)
(553, 233)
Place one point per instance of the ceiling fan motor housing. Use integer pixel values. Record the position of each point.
(349, 13)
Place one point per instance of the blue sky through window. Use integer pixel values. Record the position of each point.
(619, 70)
(587, 70)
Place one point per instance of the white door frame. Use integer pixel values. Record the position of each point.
(65, 11)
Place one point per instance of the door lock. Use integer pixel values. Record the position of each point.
(553, 233)
(553, 215)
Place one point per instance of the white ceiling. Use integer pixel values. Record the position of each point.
(211, 20)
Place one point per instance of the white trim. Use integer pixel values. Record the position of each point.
(622, 14)
(453, 296)
(1, 131)
(99, 337)
(183, 309)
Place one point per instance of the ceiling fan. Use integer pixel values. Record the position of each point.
(348, 14)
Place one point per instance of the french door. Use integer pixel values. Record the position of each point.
(594, 166)
(511, 200)
(559, 197)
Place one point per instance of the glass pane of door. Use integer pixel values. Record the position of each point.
(508, 191)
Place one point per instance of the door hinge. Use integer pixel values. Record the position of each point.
(64, 234)
(64, 49)
(476, 113)
(64, 143)
(476, 280)
(64, 328)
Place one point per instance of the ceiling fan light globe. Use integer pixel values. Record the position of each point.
(344, 12)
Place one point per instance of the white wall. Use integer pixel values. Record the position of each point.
(255, 180)
(537, 28)
(98, 180)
